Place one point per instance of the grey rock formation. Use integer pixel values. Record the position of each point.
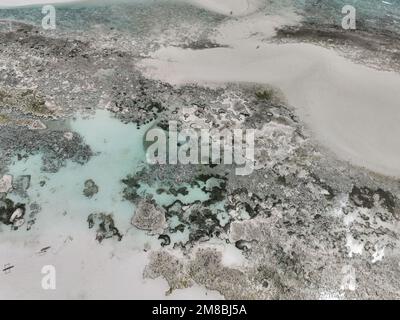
(90, 188)
(148, 216)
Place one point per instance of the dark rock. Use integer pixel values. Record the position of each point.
(90, 189)
(166, 240)
(362, 197)
(105, 226)
(243, 245)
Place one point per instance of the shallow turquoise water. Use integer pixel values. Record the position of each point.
(119, 149)
(139, 16)
(118, 152)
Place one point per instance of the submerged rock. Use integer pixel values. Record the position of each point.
(166, 240)
(25, 101)
(206, 268)
(69, 136)
(105, 226)
(90, 189)
(34, 210)
(55, 150)
(149, 217)
(21, 184)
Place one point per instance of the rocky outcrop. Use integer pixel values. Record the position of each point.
(90, 189)
(148, 216)
(21, 185)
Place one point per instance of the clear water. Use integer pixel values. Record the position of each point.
(140, 16)
(118, 152)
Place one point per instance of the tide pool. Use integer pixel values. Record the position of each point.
(85, 268)
(118, 150)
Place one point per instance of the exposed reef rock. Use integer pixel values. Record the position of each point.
(305, 227)
(377, 48)
(148, 216)
(201, 220)
(205, 269)
(166, 240)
